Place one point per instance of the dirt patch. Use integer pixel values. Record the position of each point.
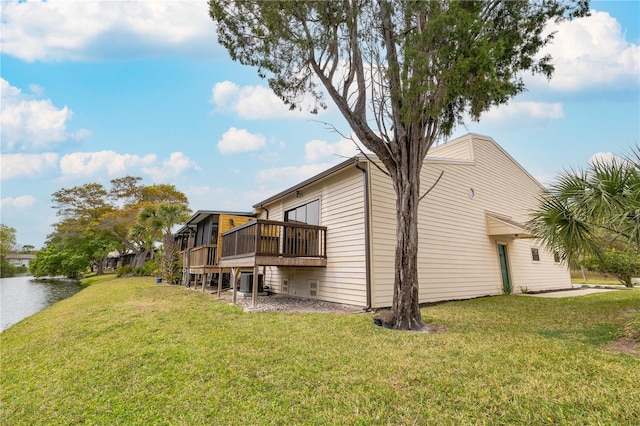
(429, 328)
(433, 328)
(282, 303)
(289, 304)
(624, 345)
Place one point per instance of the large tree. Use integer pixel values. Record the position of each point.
(95, 220)
(7, 239)
(402, 73)
(591, 216)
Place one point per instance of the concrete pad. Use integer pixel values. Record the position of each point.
(571, 293)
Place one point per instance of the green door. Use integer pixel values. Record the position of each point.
(504, 268)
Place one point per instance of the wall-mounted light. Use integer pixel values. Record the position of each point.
(232, 222)
(298, 194)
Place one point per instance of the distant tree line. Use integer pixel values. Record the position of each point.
(94, 221)
(8, 245)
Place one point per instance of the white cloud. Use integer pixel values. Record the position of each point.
(319, 156)
(319, 150)
(96, 30)
(284, 177)
(22, 202)
(177, 164)
(521, 110)
(269, 157)
(235, 141)
(226, 198)
(114, 164)
(604, 158)
(546, 179)
(253, 102)
(36, 89)
(26, 165)
(592, 52)
(29, 123)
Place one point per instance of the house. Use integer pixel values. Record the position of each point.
(116, 259)
(332, 237)
(20, 259)
(199, 242)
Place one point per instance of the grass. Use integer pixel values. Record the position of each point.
(132, 352)
(594, 278)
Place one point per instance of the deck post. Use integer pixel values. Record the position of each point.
(234, 275)
(254, 292)
(185, 268)
(219, 282)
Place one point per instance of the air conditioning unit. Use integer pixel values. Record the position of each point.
(246, 283)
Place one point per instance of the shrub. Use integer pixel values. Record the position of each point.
(123, 270)
(151, 268)
(632, 327)
(622, 264)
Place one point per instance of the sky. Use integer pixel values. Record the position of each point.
(96, 90)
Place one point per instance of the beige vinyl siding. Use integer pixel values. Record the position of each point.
(459, 149)
(343, 280)
(542, 275)
(456, 257)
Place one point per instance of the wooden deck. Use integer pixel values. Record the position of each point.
(203, 259)
(270, 243)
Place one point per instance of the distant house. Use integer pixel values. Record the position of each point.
(115, 259)
(20, 259)
(332, 237)
(199, 242)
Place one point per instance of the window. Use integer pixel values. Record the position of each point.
(300, 240)
(308, 213)
(556, 257)
(535, 254)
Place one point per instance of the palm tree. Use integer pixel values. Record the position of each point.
(159, 219)
(586, 212)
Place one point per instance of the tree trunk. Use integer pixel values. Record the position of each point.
(626, 280)
(100, 267)
(406, 308)
(170, 258)
(140, 258)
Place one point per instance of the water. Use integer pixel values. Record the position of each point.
(21, 297)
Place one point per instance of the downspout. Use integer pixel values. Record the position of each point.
(265, 209)
(186, 276)
(367, 237)
(264, 267)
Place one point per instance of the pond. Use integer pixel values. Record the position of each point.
(21, 297)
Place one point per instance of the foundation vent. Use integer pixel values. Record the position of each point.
(313, 288)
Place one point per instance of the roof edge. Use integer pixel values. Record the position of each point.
(309, 181)
(199, 213)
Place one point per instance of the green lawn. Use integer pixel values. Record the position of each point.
(593, 278)
(132, 352)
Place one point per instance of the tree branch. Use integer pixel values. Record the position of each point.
(432, 186)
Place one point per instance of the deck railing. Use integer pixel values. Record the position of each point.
(270, 238)
(205, 255)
